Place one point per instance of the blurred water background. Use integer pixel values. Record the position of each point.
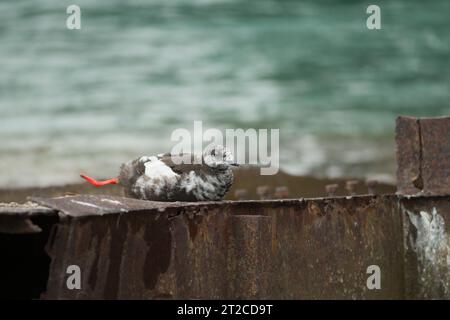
(86, 100)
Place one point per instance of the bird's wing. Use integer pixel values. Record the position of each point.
(184, 163)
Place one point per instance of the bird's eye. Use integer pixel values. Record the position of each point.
(213, 153)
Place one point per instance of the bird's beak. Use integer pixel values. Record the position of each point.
(234, 164)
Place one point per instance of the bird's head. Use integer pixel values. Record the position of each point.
(218, 157)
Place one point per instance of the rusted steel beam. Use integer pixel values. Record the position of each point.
(423, 156)
(297, 249)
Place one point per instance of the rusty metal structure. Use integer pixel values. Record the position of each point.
(315, 248)
(423, 156)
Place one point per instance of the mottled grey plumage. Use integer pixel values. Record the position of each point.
(169, 177)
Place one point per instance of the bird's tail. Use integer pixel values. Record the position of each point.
(98, 184)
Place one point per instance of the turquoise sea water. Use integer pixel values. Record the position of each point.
(89, 99)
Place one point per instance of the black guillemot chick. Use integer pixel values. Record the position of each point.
(184, 177)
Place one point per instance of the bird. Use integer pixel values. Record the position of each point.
(176, 177)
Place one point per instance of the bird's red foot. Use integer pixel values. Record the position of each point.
(98, 184)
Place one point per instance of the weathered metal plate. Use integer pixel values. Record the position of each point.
(286, 249)
(281, 249)
(90, 205)
(436, 155)
(423, 156)
(408, 142)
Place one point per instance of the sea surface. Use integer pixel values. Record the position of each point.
(86, 100)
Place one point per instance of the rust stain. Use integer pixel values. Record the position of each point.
(159, 244)
(118, 233)
(193, 219)
(98, 231)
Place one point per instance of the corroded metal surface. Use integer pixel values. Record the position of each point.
(436, 155)
(250, 261)
(423, 156)
(282, 249)
(90, 205)
(298, 249)
(427, 247)
(408, 142)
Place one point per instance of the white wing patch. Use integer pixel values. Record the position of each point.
(155, 168)
(157, 176)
